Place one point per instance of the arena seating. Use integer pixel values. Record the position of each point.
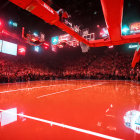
(110, 66)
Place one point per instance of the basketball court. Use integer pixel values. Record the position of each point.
(66, 110)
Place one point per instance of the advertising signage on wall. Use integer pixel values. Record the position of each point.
(135, 27)
(0, 45)
(9, 48)
(12, 48)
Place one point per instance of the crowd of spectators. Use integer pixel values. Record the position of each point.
(109, 66)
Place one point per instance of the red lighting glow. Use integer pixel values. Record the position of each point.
(46, 45)
(33, 39)
(5, 32)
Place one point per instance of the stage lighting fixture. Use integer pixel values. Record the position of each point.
(133, 46)
(110, 47)
(55, 40)
(125, 29)
(36, 48)
(35, 34)
(104, 32)
(15, 24)
(11, 23)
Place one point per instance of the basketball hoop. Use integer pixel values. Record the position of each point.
(84, 47)
(87, 36)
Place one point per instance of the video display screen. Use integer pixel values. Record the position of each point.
(9, 48)
(0, 45)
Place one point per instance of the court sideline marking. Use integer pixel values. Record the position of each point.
(67, 90)
(52, 93)
(64, 126)
(31, 88)
(88, 86)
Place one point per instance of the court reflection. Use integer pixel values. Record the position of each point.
(85, 110)
(132, 120)
(10, 116)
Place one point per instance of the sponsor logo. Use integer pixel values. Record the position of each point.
(48, 8)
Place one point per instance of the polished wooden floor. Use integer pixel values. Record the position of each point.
(68, 110)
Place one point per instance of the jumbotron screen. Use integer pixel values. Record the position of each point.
(0, 45)
(9, 48)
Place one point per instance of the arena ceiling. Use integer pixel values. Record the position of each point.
(86, 13)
